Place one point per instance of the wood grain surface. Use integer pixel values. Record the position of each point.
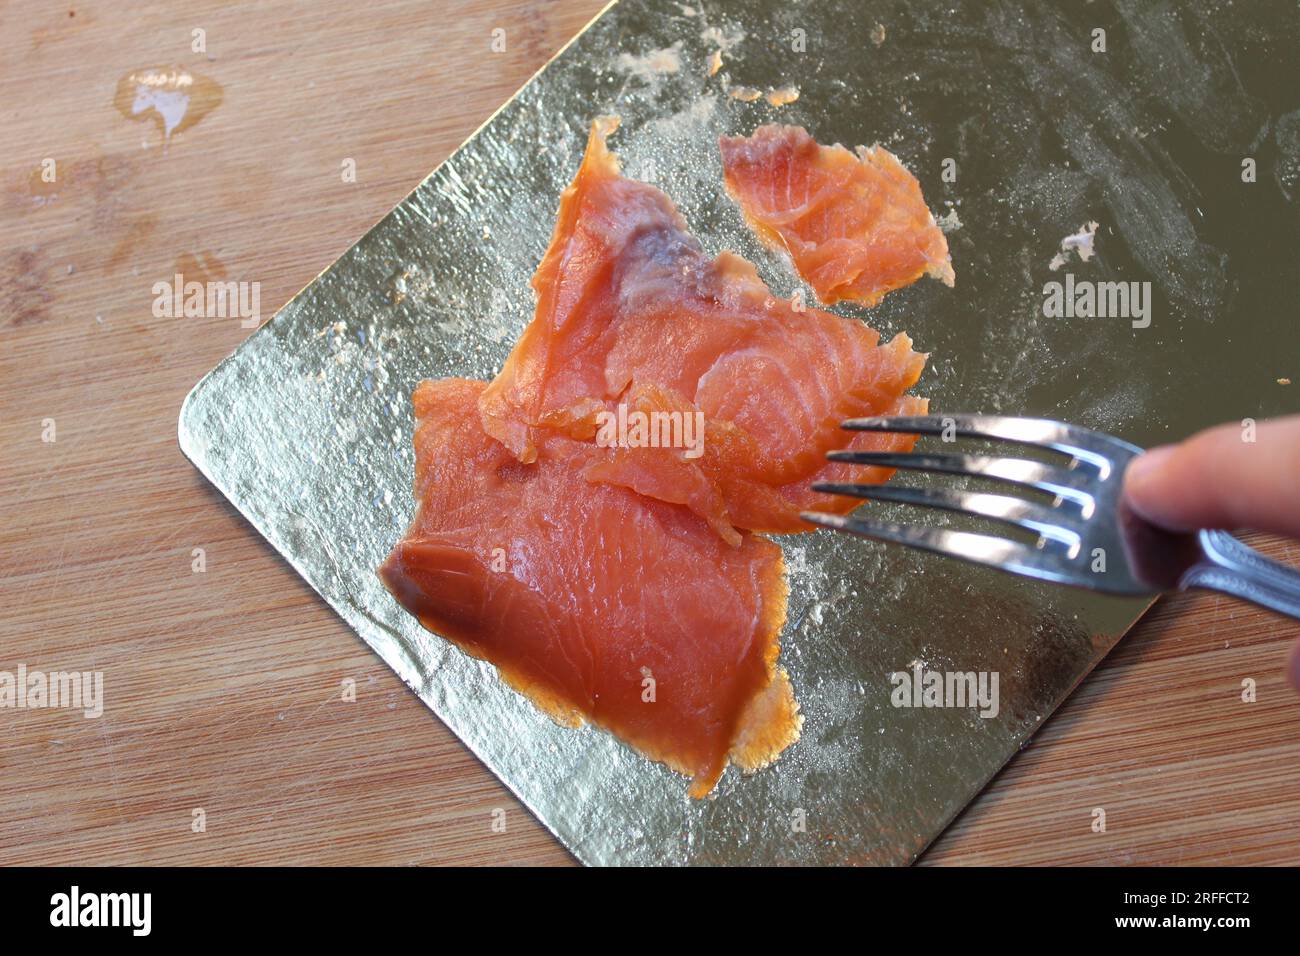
(223, 689)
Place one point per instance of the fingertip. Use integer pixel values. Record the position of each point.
(1143, 483)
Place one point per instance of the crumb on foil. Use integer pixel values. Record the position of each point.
(783, 95)
(1079, 243)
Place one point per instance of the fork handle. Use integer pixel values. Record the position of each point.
(1232, 567)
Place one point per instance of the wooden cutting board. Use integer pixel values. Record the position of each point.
(226, 689)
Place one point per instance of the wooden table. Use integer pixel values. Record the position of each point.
(223, 688)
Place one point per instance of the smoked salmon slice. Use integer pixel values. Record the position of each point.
(586, 520)
(632, 313)
(855, 225)
(600, 604)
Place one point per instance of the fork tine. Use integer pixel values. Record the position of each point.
(1048, 522)
(1082, 443)
(1017, 471)
(976, 548)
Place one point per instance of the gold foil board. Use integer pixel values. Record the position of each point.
(306, 428)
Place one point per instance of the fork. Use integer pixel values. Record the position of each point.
(1087, 536)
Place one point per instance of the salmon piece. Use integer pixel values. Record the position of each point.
(855, 226)
(630, 311)
(581, 592)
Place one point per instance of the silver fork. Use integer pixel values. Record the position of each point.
(1087, 536)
